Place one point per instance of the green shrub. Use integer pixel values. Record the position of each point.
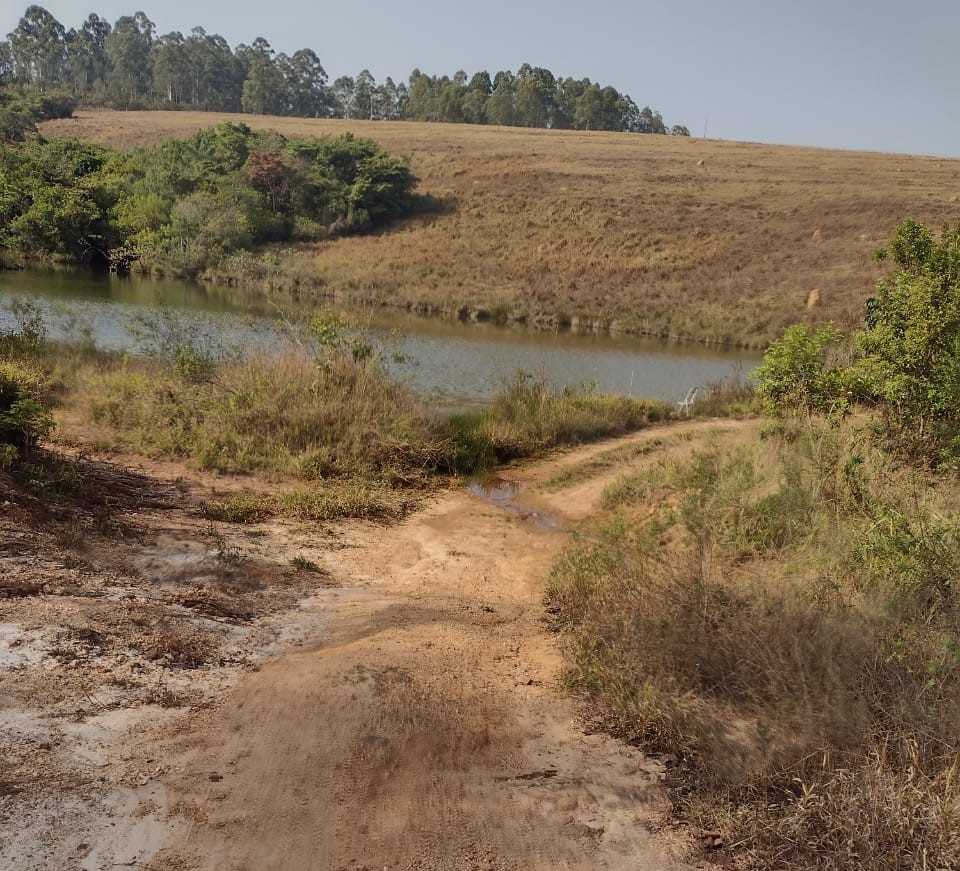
(24, 419)
(905, 361)
(909, 352)
(796, 373)
(21, 110)
(184, 206)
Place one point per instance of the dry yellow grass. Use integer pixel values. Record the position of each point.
(715, 240)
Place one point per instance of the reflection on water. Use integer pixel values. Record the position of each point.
(454, 361)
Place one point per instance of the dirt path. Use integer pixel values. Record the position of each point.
(412, 719)
(425, 731)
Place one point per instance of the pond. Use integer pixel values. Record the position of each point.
(452, 361)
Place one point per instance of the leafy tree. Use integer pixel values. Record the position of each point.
(501, 104)
(264, 91)
(390, 100)
(38, 46)
(481, 83)
(129, 48)
(650, 121)
(128, 65)
(364, 93)
(171, 68)
(7, 68)
(87, 61)
(474, 107)
(306, 84)
(216, 74)
(909, 351)
(344, 95)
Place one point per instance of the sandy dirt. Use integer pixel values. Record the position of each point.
(185, 699)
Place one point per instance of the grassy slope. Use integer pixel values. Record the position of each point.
(630, 229)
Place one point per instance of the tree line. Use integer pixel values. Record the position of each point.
(129, 65)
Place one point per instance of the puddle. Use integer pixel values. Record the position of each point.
(505, 494)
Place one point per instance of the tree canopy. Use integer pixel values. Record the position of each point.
(181, 206)
(130, 65)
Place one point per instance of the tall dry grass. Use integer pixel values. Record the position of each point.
(786, 624)
(718, 241)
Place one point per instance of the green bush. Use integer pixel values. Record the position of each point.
(905, 361)
(21, 110)
(909, 352)
(796, 372)
(24, 419)
(183, 206)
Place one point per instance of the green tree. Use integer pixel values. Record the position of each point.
(306, 85)
(39, 48)
(7, 68)
(129, 48)
(650, 121)
(501, 105)
(87, 61)
(364, 95)
(172, 78)
(344, 96)
(264, 91)
(909, 351)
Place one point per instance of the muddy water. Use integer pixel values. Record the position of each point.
(451, 360)
(504, 493)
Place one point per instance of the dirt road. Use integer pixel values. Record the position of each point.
(411, 717)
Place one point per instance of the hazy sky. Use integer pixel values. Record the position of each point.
(877, 74)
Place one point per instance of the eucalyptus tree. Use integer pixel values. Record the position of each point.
(264, 90)
(305, 82)
(217, 75)
(39, 48)
(344, 96)
(6, 62)
(129, 48)
(171, 68)
(87, 61)
(129, 64)
(500, 107)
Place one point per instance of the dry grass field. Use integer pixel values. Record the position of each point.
(714, 240)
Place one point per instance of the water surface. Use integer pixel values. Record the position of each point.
(455, 361)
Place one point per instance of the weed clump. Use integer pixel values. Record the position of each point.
(529, 416)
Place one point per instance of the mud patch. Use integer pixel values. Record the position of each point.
(504, 493)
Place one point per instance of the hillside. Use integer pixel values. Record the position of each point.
(713, 240)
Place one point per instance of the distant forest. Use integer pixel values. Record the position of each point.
(128, 65)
